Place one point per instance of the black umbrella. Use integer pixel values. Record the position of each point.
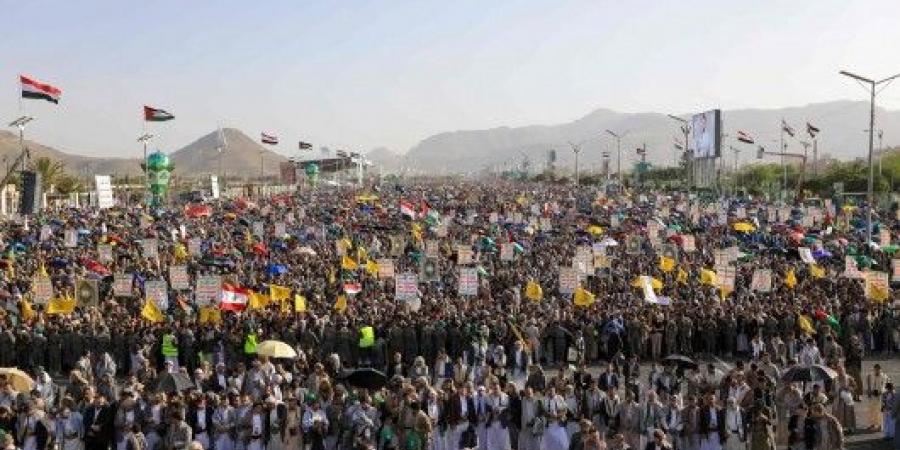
(681, 361)
(174, 382)
(814, 372)
(366, 378)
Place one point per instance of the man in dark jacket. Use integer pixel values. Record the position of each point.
(98, 424)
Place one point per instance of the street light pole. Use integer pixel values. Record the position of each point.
(686, 130)
(618, 156)
(871, 191)
(576, 148)
(20, 124)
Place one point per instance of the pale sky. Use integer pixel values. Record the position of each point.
(357, 75)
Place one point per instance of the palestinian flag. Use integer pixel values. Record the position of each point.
(270, 139)
(233, 298)
(305, 146)
(745, 138)
(407, 210)
(156, 115)
(787, 128)
(811, 130)
(34, 89)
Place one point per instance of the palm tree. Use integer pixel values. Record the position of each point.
(49, 170)
(66, 184)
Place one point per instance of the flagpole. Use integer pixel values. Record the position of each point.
(783, 165)
(815, 158)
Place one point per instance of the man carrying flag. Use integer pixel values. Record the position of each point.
(156, 115)
(34, 89)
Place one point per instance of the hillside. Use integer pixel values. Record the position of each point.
(841, 124)
(241, 156)
(75, 164)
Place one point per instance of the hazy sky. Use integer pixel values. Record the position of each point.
(358, 75)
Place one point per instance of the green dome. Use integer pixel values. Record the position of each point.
(158, 161)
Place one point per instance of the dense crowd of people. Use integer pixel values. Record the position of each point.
(647, 348)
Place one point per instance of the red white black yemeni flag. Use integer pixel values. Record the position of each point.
(156, 115)
(270, 139)
(32, 88)
(744, 137)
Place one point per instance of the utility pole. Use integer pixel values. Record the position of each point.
(618, 155)
(871, 194)
(686, 130)
(576, 148)
(880, 151)
(737, 153)
(20, 124)
(782, 149)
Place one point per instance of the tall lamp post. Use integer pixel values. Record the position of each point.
(686, 130)
(576, 148)
(872, 84)
(618, 155)
(20, 124)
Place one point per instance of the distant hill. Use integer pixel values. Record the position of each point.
(841, 124)
(385, 159)
(240, 156)
(75, 164)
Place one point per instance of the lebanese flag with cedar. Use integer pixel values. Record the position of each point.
(234, 298)
(35, 89)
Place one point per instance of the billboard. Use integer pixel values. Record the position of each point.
(706, 128)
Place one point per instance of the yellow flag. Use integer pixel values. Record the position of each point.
(347, 263)
(666, 264)
(416, 231)
(151, 311)
(210, 314)
(65, 305)
(707, 277)
(805, 324)
(790, 280)
(724, 291)
(595, 230)
(27, 311)
(372, 268)
(258, 301)
(180, 252)
(682, 276)
(279, 293)
(639, 283)
(583, 297)
(42, 270)
(533, 291)
(340, 304)
(299, 303)
(816, 271)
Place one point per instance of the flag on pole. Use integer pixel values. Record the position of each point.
(156, 115)
(787, 128)
(37, 90)
(811, 130)
(306, 146)
(347, 263)
(790, 279)
(270, 139)
(407, 210)
(234, 298)
(151, 311)
(533, 291)
(745, 137)
(583, 297)
(299, 303)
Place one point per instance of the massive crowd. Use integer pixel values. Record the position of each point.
(592, 322)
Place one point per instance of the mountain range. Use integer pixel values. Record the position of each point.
(841, 136)
(841, 123)
(242, 157)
